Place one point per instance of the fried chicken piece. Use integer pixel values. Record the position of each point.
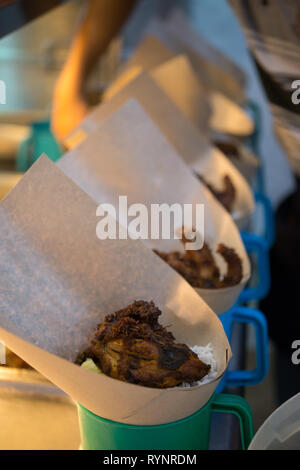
(202, 259)
(131, 345)
(199, 268)
(234, 266)
(225, 196)
(205, 262)
(229, 149)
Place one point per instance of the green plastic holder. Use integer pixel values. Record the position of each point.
(40, 140)
(191, 433)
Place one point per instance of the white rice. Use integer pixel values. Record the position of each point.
(206, 355)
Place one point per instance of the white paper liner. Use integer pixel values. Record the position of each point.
(188, 90)
(215, 70)
(128, 155)
(195, 149)
(188, 94)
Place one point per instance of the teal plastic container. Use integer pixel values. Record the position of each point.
(40, 140)
(191, 433)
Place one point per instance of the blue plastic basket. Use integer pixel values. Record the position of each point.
(250, 316)
(257, 245)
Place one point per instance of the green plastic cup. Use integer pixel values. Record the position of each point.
(191, 433)
(40, 140)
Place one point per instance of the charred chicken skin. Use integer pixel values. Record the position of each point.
(199, 268)
(131, 345)
(234, 266)
(226, 196)
(229, 149)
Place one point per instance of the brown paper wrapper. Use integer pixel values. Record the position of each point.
(58, 281)
(128, 155)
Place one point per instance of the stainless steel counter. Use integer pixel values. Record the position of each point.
(35, 415)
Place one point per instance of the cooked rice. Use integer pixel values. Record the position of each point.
(206, 355)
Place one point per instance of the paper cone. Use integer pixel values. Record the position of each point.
(128, 155)
(189, 95)
(246, 162)
(193, 146)
(189, 92)
(150, 53)
(58, 281)
(186, 91)
(214, 68)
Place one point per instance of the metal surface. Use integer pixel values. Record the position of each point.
(272, 27)
(287, 127)
(35, 415)
(31, 60)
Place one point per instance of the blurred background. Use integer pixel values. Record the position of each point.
(34, 45)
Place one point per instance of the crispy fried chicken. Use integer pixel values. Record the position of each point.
(199, 267)
(225, 196)
(131, 345)
(229, 149)
(234, 266)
